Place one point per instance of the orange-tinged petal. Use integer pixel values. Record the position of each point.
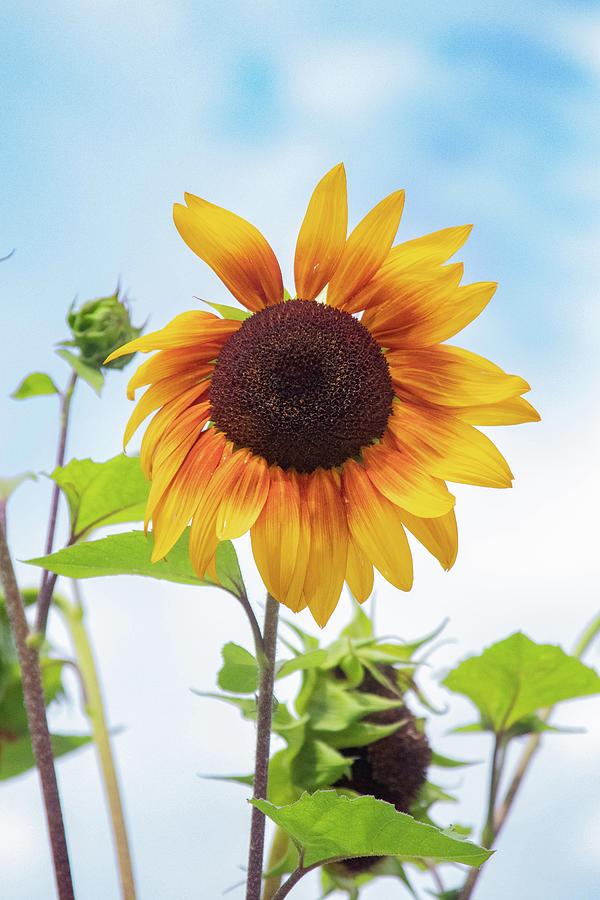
(447, 447)
(180, 501)
(194, 384)
(399, 478)
(514, 411)
(276, 534)
(188, 329)
(359, 572)
(322, 235)
(439, 536)
(170, 455)
(162, 422)
(242, 503)
(234, 249)
(365, 251)
(430, 249)
(296, 599)
(167, 363)
(375, 525)
(451, 376)
(328, 553)
(423, 312)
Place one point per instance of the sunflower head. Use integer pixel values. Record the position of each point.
(327, 424)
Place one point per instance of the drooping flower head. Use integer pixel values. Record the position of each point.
(326, 429)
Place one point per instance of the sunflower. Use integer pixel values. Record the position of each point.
(326, 424)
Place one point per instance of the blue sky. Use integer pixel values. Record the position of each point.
(484, 113)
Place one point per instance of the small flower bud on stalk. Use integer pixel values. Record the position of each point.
(99, 327)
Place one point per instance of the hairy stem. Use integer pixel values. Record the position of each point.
(48, 581)
(263, 743)
(94, 708)
(500, 814)
(35, 707)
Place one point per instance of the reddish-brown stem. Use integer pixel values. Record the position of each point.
(35, 707)
(264, 713)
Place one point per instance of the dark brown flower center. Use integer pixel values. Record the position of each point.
(303, 385)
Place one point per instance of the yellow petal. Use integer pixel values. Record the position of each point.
(403, 482)
(172, 362)
(448, 448)
(189, 329)
(514, 411)
(203, 533)
(162, 423)
(322, 235)
(451, 376)
(424, 312)
(192, 384)
(180, 501)
(171, 453)
(276, 534)
(375, 525)
(365, 250)
(328, 554)
(296, 599)
(234, 249)
(245, 497)
(439, 536)
(359, 572)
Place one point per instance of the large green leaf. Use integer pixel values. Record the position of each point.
(37, 384)
(129, 554)
(239, 672)
(516, 677)
(16, 757)
(106, 493)
(89, 374)
(327, 825)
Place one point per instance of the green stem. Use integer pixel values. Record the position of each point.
(94, 708)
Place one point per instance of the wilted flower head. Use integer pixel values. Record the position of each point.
(100, 326)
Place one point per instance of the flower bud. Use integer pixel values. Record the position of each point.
(99, 327)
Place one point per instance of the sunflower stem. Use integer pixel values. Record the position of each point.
(35, 707)
(48, 581)
(73, 615)
(264, 714)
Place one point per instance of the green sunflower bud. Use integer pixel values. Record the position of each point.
(99, 327)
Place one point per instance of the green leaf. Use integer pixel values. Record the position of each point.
(35, 385)
(91, 376)
(239, 673)
(360, 734)
(332, 708)
(327, 826)
(448, 762)
(9, 485)
(301, 663)
(318, 765)
(360, 626)
(516, 677)
(16, 757)
(13, 719)
(106, 493)
(246, 705)
(229, 312)
(129, 554)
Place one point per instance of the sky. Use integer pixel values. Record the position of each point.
(483, 113)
